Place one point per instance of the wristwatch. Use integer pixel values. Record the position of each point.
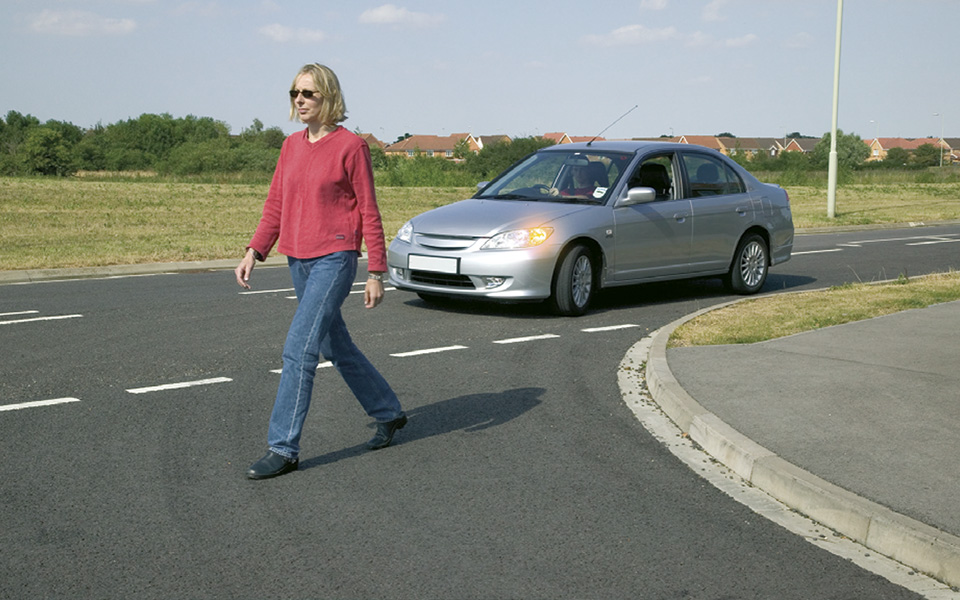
(375, 276)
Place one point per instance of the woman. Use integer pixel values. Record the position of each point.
(320, 207)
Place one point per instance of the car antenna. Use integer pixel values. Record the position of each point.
(612, 124)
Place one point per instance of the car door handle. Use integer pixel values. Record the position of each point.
(680, 218)
(741, 211)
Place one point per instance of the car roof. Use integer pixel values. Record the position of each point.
(623, 146)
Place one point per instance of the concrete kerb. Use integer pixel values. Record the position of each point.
(38, 275)
(906, 540)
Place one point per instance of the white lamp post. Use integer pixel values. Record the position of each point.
(832, 173)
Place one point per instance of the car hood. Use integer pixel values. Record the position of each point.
(484, 218)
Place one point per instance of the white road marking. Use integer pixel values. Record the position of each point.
(609, 328)
(32, 319)
(21, 312)
(266, 291)
(38, 403)
(323, 365)
(176, 386)
(529, 338)
(915, 239)
(816, 252)
(428, 351)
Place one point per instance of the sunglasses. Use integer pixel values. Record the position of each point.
(306, 94)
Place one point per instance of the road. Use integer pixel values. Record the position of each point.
(130, 408)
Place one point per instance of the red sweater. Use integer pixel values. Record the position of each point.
(322, 200)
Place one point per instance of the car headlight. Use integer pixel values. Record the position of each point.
(405, 232)
(518, 238)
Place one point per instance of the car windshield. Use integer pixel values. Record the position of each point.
(555, 176)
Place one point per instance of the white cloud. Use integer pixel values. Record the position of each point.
(80, 23)
(711, 12)
(390, 14)
(740, 42)
(284, 34)
(799, 40)
(632, 35)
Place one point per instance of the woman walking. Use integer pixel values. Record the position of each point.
(320, 207)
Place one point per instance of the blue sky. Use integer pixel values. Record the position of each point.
(517, 67)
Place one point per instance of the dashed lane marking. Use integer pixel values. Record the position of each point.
(428, 351)
(37, 404)
(32, 319)
(529, 338)
(176, 386)
(608, 328)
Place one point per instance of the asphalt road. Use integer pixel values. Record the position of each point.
(520, 475)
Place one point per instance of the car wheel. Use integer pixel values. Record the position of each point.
(750, 264)
(574, 285)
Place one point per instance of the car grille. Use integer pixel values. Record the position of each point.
(444, 242)
(441, 279)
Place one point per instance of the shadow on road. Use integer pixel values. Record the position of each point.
(471, 413)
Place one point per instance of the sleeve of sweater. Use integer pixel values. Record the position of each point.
(360, 171)
(268, 230)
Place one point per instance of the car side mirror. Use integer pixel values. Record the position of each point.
(639, 195)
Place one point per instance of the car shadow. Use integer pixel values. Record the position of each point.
(474, 412)
(665, 292)
(631, 296)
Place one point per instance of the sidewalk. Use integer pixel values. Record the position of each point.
(857, 426)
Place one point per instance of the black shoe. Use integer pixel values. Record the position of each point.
(385, 432)
(272, 465)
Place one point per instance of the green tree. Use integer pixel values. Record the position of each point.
(495, 158)
(896, 158)
(851, 151)
(45, 151)
(926, 155)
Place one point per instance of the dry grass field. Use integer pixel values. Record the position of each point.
(81, 222)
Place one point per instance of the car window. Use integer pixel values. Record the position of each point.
(709, 176)
(657, 173)
(561, 176)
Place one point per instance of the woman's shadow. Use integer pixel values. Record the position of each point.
(474, 412)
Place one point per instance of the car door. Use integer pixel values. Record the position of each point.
(652, 239)
(722, 211)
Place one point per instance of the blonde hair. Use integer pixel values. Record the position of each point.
(333, 110)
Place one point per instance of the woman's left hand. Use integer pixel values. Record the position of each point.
(373, 293)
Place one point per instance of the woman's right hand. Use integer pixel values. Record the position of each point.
(245, 268)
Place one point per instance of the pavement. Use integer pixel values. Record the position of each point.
(855, 426)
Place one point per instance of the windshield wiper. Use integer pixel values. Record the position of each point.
(510, 197)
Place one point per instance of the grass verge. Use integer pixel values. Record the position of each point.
(779, 315)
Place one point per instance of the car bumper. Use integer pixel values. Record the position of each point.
(493, 274)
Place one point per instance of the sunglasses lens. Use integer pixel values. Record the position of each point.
(294, 93)
(306, 93)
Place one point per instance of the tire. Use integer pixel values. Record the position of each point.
(575, 282)
(748, 272)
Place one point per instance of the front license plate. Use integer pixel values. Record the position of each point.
(434, 264)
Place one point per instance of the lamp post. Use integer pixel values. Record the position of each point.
(940, 141)
(832, 173)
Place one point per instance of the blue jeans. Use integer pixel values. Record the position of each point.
(322, 284)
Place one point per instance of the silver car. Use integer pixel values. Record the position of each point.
(571, 219)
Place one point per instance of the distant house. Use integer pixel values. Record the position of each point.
(880, 146)
(431, 145)
(371, 140)
(441, 147)
(489, 140)
(951, 148)
(562, 138)
(707, 141)
(771, 146)
(805, 145)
